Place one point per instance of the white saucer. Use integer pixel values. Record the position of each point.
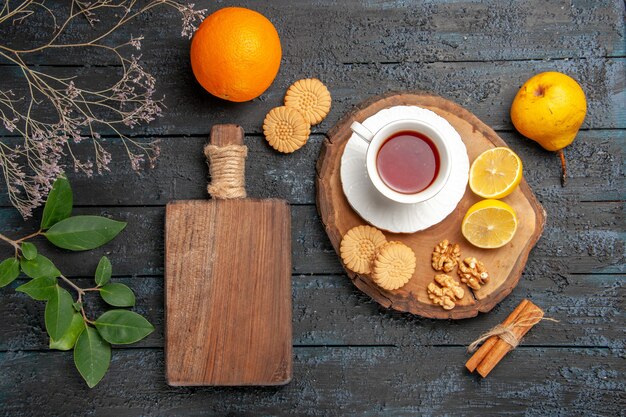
(386, 214)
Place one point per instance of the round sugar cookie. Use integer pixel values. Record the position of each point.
(286, 129)
(311, 98)
(394, 265)
(358, 248)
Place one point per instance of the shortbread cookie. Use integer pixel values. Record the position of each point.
(393, 265)
(286, 129)
(311, 98)
(359, 246)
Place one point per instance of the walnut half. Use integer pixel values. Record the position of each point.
(445, 256)
(446, 293)
(473, 273)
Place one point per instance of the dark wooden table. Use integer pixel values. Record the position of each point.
(351, 356)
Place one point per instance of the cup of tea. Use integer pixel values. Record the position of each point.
(408, 161)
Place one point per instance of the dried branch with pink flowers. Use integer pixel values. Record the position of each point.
(55, 112)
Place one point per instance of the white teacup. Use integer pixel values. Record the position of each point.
(377, 139)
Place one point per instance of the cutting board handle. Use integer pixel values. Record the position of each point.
(226, 155)
(223, 135)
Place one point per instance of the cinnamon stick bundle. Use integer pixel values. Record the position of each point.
(504, 338)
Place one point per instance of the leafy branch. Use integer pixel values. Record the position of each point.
(56, 113)
(66, 320)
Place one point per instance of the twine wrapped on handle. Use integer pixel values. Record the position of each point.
(227, 168)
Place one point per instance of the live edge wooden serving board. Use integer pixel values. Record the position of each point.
(505, 265)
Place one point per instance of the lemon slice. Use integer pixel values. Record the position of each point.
(495, 173)
(489, 224)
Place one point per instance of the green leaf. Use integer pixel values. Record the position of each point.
(29, 251)
(39, 267)
(59, 203)
(83, 232)
(59, 312)
(9, 270)
(123, 327)
(68, 340)
(118, 295)
(41, 289)
(103, 271)
(77, 306)
(92, 356)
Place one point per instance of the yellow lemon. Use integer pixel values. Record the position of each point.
(495, 173)
(549, 109)
(489, 224)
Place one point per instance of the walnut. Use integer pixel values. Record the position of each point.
(473, 273)
(446, 256)
(447, 293)
(437, 295)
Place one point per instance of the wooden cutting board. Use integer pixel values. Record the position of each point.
(505, 265)
(228, 288)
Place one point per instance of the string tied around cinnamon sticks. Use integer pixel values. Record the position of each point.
(505, 332)
(227, 168)
(503, 338)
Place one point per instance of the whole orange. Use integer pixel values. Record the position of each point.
(235, 54)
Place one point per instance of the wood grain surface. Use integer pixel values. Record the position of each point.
(352, 357)
(505, 265)
(228, 288)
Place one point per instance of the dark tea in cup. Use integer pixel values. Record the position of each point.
(408, 162)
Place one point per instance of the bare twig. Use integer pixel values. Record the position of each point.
(32, 235)
(10, 241)
(69, 282)
(31, 164)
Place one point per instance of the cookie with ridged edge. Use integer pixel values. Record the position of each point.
(358, 248)
(393, 266)
(286, 129)
(311, 98)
